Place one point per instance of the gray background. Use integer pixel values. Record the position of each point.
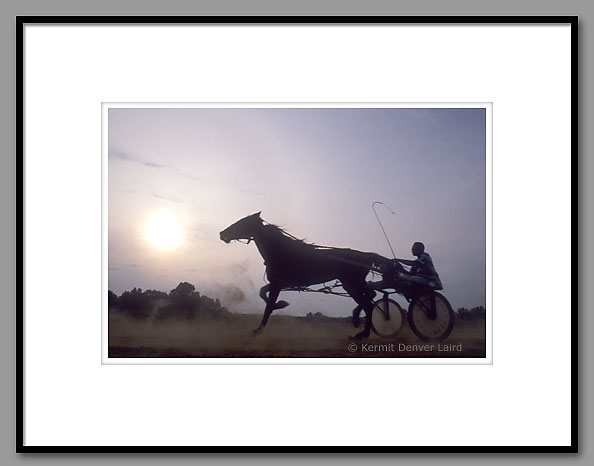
(9, 9)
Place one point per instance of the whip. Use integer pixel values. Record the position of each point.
(380, 223)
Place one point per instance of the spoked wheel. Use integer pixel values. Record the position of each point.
(431, 317)
(388, 318)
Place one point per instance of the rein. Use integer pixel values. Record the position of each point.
(243, 241)
(356, 264)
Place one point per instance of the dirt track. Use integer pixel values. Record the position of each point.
(284, 337)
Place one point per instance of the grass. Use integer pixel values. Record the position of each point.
(285, 336)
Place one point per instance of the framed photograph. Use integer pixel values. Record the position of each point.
(237, 222)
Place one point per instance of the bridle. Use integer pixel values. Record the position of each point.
(243, 241)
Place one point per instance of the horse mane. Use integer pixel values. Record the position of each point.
(285, 235)
(293, 241)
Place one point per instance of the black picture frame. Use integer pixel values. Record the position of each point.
(22, 21)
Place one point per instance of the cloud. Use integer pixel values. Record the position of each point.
(113, 154)
(117, 155)
(120, 266)
(167, 198)
(151, 164)
(189, 176)
(235, 186)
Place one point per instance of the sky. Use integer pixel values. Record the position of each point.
(178, 176)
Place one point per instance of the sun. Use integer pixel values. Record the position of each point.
(164, 231)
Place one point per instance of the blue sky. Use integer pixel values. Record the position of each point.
(315, 172)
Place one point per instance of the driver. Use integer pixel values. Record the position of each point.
(422, 271)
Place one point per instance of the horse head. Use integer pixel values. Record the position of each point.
(242, 229)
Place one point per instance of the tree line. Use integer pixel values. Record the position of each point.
(183, 302)
(478, 312)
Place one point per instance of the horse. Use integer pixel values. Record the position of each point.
(292, 263)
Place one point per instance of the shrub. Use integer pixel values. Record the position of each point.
(135, 304)
(112, 299)
(186, 303)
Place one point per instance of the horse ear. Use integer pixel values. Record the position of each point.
(258, 213)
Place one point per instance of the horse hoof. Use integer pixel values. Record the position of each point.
(281, 304)
(356, 319)
(257, 331)
(360, 336)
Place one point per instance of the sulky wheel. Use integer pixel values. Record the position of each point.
(431, 317)
(388, 318)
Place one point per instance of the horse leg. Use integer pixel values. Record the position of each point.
(265, 289)
(370, 289)
(356, 319)
(271, 305)
(363, 295)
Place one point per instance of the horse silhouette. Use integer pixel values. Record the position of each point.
(292, 263)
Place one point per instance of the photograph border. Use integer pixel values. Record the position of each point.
(22, 21)
(487, 359)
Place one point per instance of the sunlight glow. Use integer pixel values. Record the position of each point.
(164, 231)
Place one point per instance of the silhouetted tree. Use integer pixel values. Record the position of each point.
(135, 304)
(112, 299)
(183, 289)
(210, 307)
(187, 303)
(463, 313)
(478, 312)
(184, 303)
(154, 294)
